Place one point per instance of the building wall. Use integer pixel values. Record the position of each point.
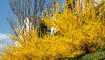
(28, 23)
(82, 2)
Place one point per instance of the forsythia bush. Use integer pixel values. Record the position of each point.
(80, 31)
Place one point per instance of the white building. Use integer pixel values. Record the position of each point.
(28, 23)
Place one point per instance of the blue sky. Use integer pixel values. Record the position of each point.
(5, 28)
(5, 11)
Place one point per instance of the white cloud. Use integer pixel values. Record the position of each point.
(3, 36)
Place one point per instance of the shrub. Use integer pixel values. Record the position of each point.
(81, 31)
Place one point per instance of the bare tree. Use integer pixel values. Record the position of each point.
(30, 8)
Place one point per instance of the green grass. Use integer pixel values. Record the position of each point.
(98, 55)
